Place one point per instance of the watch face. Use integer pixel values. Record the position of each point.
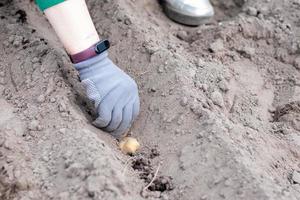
(102, 46)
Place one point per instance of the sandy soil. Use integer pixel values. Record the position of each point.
(220, 115)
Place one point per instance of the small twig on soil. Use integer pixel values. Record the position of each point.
(231, 110)
(143, 73)
(126, 165)
(153, 179)
(12, 79)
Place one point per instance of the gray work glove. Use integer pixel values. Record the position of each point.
(114, 93)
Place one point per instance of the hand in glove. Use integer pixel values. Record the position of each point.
(114, 92)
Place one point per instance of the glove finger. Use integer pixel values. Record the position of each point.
(126, 121)
(136, 108)
(117, 114)
(106, 107)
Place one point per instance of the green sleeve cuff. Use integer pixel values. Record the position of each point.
(44, 4)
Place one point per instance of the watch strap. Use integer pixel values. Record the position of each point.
(90, 52)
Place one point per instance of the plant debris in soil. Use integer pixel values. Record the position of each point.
(292, 107)
(22, 16)
(7, 188)
(147, 173)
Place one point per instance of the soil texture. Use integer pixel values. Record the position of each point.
(220, 111)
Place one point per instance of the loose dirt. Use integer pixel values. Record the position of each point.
(219, 105)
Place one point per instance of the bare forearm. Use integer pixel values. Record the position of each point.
(73, 25)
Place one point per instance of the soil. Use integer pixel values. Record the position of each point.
(219, 105)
